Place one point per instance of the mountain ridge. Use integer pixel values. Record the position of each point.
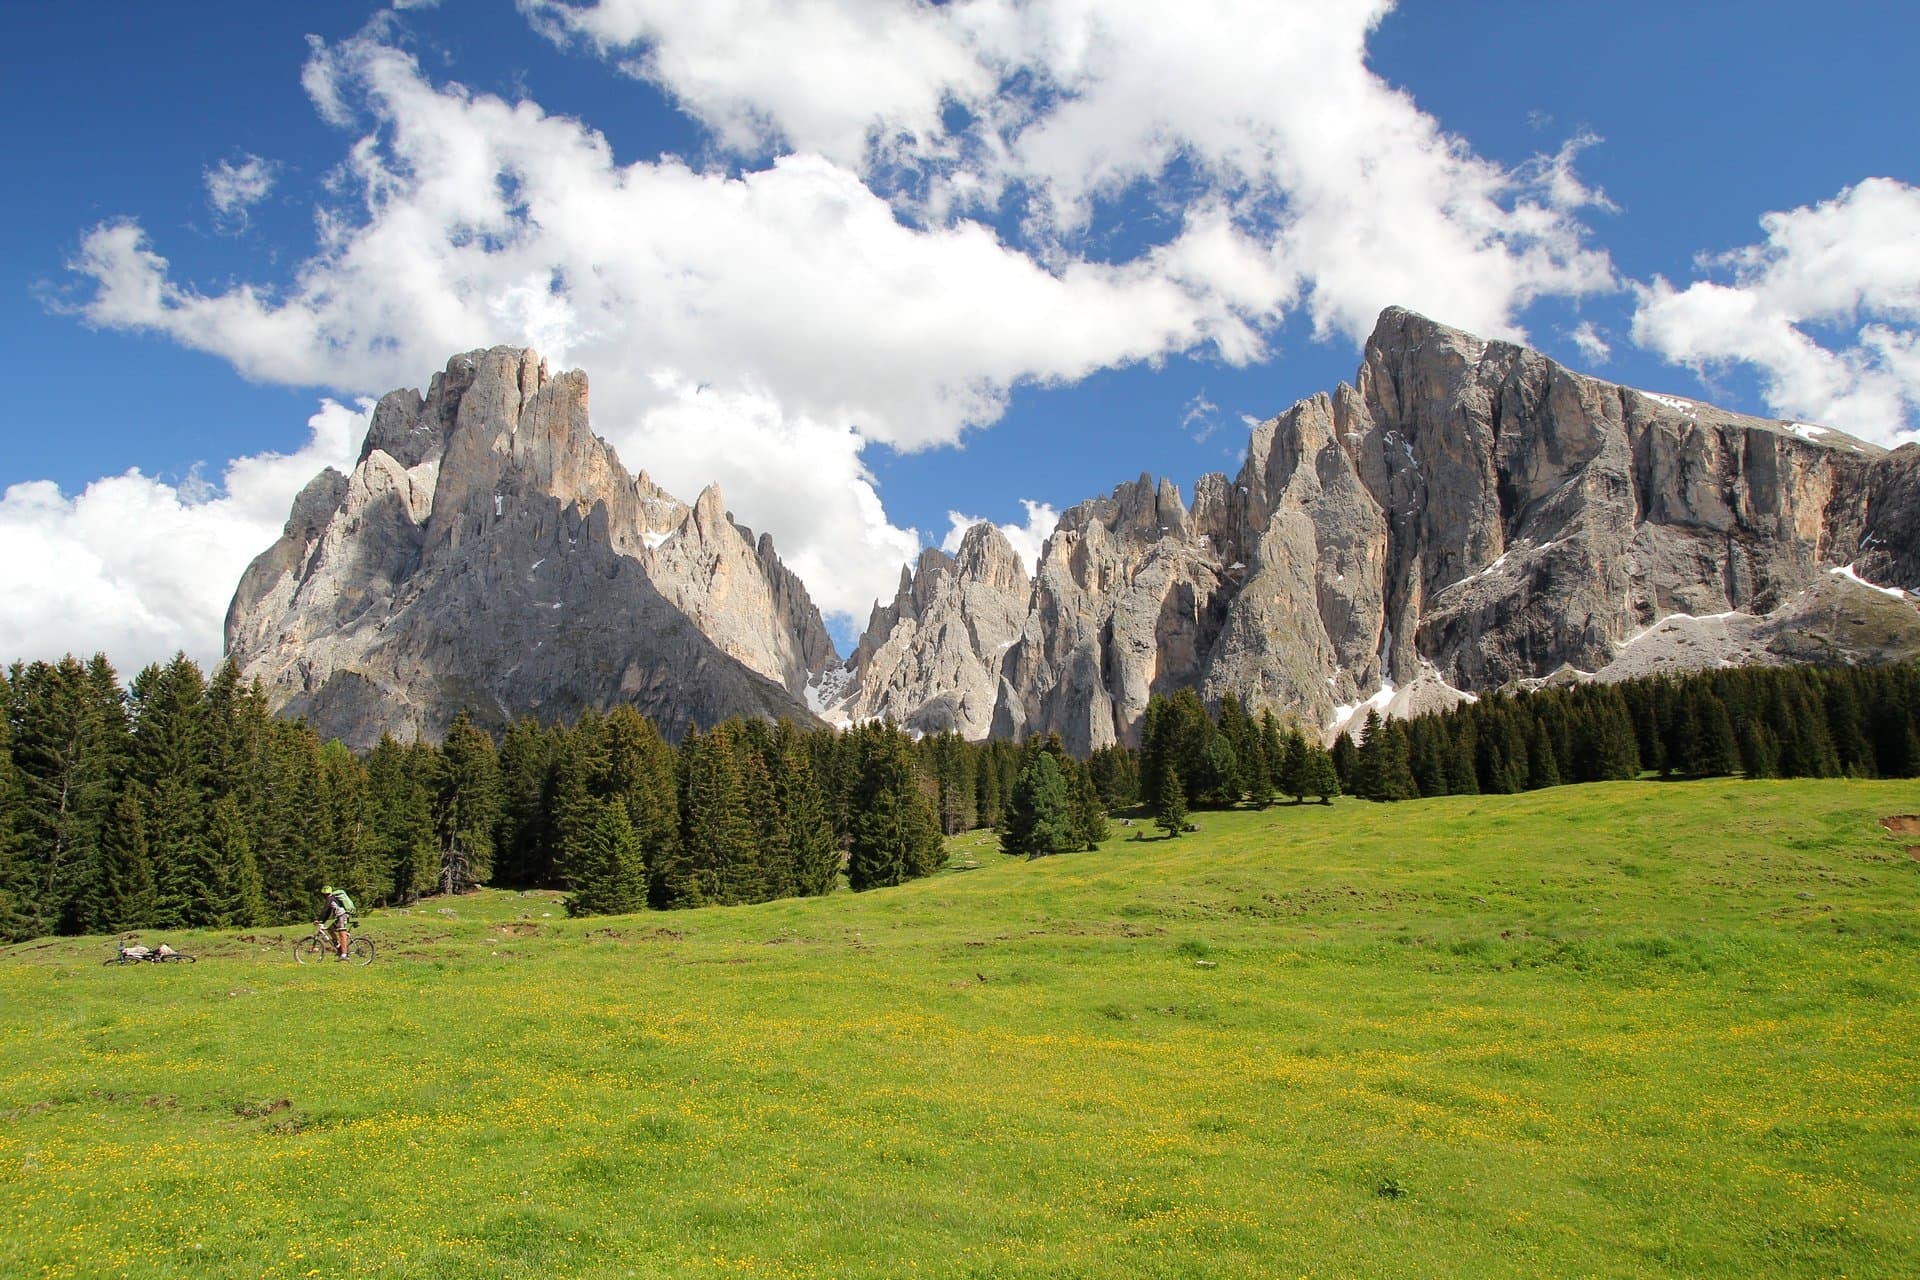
(1466, 515)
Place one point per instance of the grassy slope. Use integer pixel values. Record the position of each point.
(1634, 1029)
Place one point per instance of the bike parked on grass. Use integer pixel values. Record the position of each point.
(135, 953)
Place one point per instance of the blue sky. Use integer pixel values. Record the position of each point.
(873, 265)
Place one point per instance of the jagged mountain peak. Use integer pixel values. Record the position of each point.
(490, 552)
(1463, 515)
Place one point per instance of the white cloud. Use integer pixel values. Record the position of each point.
(1026, 539)
(138, 568)
(791, 296)
(761, 327)
(1588, 339)
(1337, 185)
(233, 189)
(1823, 311)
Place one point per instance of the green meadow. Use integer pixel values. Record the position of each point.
(1632, 1029)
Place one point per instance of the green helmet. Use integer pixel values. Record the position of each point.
(326, 889)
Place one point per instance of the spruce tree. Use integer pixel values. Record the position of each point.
(1274, 749)
(1170, 806)
(610, 874)
(1463, 773)
(235, 899)
(176, 845)
(1345, 761)
(15, 878)
(716, 830)
(466, 805)
(812, 854)
(1543, 770)
(522, 859)
(1323, 779)
(67, 760)
(1039, 814)
(1293, 770)
(399, 818)
(769, 875)
(896, 833)
(127, 898)
(1089, 810)
(1759, 751)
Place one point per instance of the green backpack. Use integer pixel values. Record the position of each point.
(346, 902)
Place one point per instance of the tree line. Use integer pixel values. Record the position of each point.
(1762, 722)
(179, 801)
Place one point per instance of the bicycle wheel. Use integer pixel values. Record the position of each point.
(177, 958)
(360, 951)
(119, 960)
(310, 950)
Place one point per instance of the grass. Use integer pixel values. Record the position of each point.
(1620, 1030)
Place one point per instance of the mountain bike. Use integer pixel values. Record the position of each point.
(317, 948)
(137, 954)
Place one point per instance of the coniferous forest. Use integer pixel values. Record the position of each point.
(178, 801)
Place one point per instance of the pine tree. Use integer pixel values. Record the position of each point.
(610, 874)
(523, 857)
(1170, 807)
(716, 829)
(66, 760)
(400, 818)
(234, 894)
(16, 879)
(1381, 771)
(1293, 769)
(896, 833)
(1463, 773)
(812, 854)
(1345, 762)
(1323, 779)
(466, 805)
(127, 895)
(1039, 816)
(1543, 770)
(768, 876)
(1089, 811)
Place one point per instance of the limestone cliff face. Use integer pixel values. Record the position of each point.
(1467, 515)
(931, 660)
(490, 552)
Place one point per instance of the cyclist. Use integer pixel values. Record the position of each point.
(336, 910)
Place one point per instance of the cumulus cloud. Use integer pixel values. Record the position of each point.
(1587, 337)
(913, 229)
(792, 298)
(1337, 186)
(1823, 310)
(233, 189)
(138, 568)
(1026, 539)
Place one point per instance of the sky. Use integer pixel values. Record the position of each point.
(881, 268)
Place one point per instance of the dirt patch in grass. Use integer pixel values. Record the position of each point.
(1902, 824)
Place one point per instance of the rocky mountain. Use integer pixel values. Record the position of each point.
(489, 552)
(1467, 515)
